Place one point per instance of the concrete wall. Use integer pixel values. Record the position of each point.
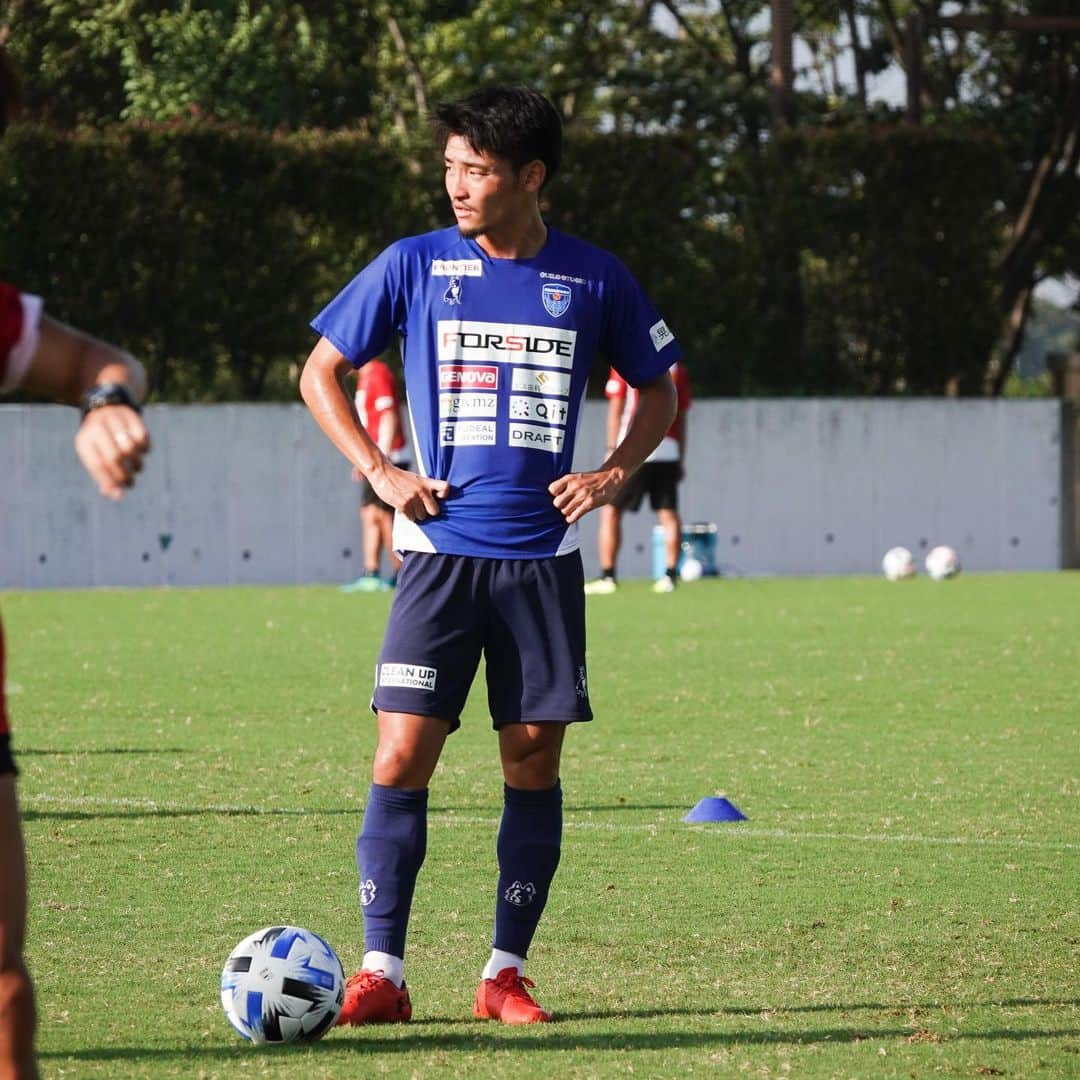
(236, 494)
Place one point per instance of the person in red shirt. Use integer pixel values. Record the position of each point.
(379, 409)
(44, 357)
(659, 477)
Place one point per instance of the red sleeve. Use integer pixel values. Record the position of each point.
(616, 385)
(11, 322)
(379, 384)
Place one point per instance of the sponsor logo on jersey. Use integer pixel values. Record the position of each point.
(530, 437)
(413, 676)
(544, 346)
(457, 268)
(473, 404)
(556, 299)
(660, 335)
(541, 382)
(467, 433)
(542, 410)
(453, 292)
(469, 377)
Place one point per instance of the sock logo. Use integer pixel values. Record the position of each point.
(520, 894)
(367, 892)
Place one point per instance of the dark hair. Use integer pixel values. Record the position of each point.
(509, 122)
(9, 90)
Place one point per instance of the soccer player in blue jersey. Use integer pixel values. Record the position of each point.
(499, 321)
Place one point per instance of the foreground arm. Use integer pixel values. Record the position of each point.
(578, 493)
(320, 386)
(112, 440)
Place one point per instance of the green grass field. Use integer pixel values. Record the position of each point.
(902, 901)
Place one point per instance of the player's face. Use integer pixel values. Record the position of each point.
(486, 193)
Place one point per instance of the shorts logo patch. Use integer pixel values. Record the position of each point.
(581, 688)
(367, 892)
(410, 676)
(520, 894)
(556, 299)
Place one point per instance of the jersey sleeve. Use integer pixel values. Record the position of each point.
(20, 318)
(637, 340)
(361, 319)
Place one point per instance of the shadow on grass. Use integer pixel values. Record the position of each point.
(880, 1006)
(555, 1036)
(30, 751)
(30, 814)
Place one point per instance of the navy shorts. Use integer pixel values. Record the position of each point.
(658, 479)
(525, 616)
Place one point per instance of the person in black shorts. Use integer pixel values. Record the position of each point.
(659, 478)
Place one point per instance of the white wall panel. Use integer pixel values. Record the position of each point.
(255, 493)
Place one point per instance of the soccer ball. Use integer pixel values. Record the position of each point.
(282, 984)
(898, 564)
(942, 562)
(691, 569)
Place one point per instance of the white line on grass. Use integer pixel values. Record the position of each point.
(735, 830)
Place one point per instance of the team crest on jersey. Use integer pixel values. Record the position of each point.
(556, 299)
(453, 292)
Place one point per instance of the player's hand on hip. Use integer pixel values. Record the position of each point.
(417, 497)
(575, 494)
(111, 443)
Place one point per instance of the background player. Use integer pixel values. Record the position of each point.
(46, 358)
(659, 477)
(379, 411)
(500, 319)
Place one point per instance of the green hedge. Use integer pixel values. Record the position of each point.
(846, 262)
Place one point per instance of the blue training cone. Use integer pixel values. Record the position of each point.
(715, 808)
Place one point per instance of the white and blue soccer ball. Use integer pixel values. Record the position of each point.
(691, 569)
(282, 984)
(897, 564)
(942, 562)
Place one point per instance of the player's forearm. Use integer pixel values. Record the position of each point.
(329, 405)
(68, 362)
(652, 417)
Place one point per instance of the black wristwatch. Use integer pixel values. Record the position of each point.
(109, 393)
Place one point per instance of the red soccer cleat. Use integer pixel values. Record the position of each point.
(506, 998)
(371, 998)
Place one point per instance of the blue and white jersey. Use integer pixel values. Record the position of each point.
(497, 354)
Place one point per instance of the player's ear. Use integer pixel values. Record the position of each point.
(533, 175)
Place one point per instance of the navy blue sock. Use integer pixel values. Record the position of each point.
(389, 853)
(530, 840)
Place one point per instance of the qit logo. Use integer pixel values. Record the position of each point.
(367, 892)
